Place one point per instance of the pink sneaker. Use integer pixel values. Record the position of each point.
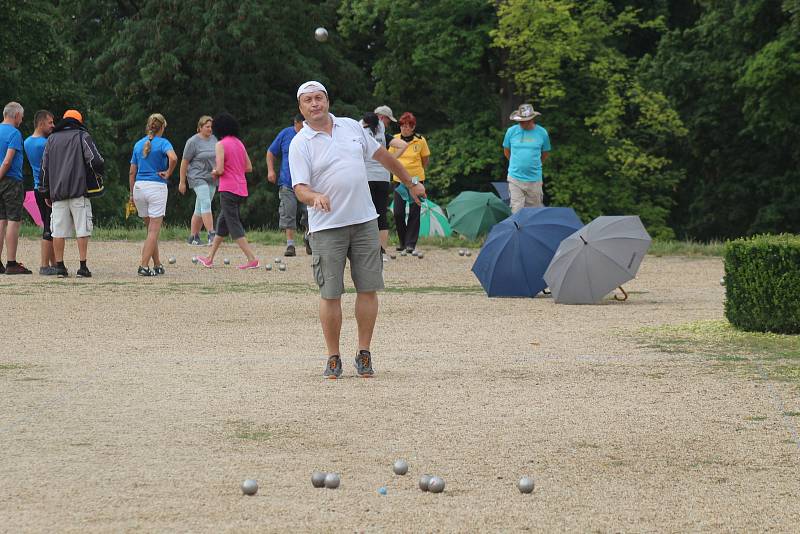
(205, 261)
(249, 265)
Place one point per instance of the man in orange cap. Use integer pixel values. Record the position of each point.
(70, 167)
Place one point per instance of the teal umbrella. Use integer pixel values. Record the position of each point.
(432, 219)
(472, 214)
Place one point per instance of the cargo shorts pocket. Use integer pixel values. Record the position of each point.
(316, 267)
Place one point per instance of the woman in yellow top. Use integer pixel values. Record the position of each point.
(414, 159)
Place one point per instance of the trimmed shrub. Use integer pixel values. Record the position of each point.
(762, 283)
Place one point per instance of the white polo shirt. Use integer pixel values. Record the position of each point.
(334, 166)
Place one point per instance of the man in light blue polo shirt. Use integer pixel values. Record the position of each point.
(526, 146)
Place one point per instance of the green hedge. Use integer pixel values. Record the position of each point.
(762, 282)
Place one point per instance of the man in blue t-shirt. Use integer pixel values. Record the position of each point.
(526, 146)
(12, 192)
(34, 150)
(288, 201)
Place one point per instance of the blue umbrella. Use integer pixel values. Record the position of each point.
(502, 190)
(516, 254)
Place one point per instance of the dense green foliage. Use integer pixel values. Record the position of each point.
(686, 112)
(762, 283)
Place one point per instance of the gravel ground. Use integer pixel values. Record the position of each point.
(133, 404)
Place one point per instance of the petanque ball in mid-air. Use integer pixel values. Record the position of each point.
(194, 259)
(436, 485)
(321, 34)
(525, 485)
(226, 261)
(332, 481)
(172, 260)
(249, 487)
(318, 479)
(424, 482)
(400, 467)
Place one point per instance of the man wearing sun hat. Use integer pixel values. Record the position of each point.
(386, 116)
(526, 146)
(326, 161)
(70, 155)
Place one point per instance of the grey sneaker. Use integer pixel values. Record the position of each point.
(48, 271)
(364, 364)
(333, 369)
(211, 236)
(195, 241)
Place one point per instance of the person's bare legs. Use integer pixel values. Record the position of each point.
(215, 246)
(246, 248)
(195, 225)
(83, 247)
(12, 239)
(150, 247)
(58, 248)
(290, 234)
(3, 224)
(208, 221)
(46, 253)
(330, 315)
(366, 315)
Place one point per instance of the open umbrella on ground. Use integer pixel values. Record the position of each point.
(432, 220)
(602, 255)
(502, 190)
(472, 214)
(519, 249)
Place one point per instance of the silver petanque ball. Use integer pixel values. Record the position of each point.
(318, 479)
(400, 467)
(268, 267)
(393, 256)
(722, 281)
(420, 255)
(172, 260)
(277, 260)
(194, 259)
(414, 252)
(282, 267)
(436, 485)
(226, 261)
(404, 253)
(525, 485)
(249, 487)
(468, 253)
(321, 34)
(424, 482)
(461, 252)
(332, 481)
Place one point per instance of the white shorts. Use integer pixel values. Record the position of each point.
(70, 216)
(150, 199)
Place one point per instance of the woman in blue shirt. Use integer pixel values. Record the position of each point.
(152, 164)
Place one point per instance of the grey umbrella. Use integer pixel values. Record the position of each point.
(599, 257)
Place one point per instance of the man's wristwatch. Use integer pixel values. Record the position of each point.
(414, 181)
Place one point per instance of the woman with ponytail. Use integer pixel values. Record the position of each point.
(152, 164)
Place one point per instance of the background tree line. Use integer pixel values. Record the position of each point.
(686, 112)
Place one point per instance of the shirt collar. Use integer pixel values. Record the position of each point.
(308, 132)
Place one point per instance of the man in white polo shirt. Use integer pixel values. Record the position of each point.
(326, 160)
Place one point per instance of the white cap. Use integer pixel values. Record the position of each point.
(310, 87)
(385, 110)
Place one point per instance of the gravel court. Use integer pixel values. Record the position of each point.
(141, 404)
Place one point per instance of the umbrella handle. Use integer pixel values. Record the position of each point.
(624, 293)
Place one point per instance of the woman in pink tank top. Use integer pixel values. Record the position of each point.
(231, 165)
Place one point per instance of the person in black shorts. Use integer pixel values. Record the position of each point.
(34, 150)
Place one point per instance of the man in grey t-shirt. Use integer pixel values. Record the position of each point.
(198, 161)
